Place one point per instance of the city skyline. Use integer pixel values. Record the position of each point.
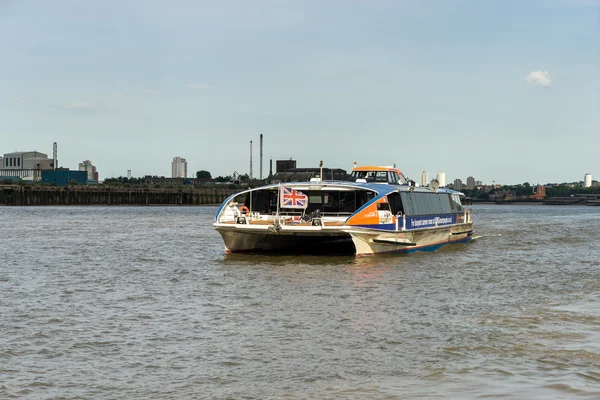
(505, 91)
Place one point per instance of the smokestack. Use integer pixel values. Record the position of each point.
(250, 159)
(55, 155)
(261, 148)
(271, 167)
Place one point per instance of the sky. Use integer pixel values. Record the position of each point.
(505, 91)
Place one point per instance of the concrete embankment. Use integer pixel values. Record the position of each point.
(16, 195)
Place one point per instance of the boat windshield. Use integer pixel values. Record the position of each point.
(376, 176)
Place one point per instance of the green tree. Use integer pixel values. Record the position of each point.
(222, 178)
(202, 174)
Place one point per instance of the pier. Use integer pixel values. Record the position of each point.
(17, 195)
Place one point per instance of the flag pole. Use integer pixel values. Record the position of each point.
(278, 200)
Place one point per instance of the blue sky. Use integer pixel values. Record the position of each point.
(428, 85)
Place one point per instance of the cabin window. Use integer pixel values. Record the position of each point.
(423, 203)
(455, 203)
(393, 177)
(383, 207)
(263, 201)
(395, 203)
(337, 202)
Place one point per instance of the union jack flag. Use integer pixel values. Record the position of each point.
(292, 198)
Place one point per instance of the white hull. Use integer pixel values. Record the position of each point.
(368, 241)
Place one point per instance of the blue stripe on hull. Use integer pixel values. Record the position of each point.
(427, 248)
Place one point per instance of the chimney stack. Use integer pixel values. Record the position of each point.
(261, 155)
(55, 155)
(250, 160)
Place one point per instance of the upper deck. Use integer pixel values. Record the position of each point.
(377, 174)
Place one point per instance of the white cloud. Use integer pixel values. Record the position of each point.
(541, 78)
(198, 86)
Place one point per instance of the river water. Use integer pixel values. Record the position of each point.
(141, 302)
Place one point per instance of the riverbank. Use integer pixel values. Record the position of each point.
(17, 195)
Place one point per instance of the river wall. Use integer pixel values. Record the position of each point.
(17, 195)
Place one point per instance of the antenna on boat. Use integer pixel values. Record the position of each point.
(321, 173)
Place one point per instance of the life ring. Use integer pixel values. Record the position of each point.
(244, 210)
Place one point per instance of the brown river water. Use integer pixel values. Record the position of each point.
(141, 302)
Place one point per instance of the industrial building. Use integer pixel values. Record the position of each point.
(305, 174)
(284, 165)
(179, 168)
(62, 177)
(27, 165)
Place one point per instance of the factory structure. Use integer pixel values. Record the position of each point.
(35, 166)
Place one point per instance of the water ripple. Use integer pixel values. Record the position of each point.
(136, 302)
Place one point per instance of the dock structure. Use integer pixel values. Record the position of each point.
(17, 195)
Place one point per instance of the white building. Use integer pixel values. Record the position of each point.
(424, 178)
(179, 168)
(26, 165)
(441, 177)
(587, 180)
(89, 168)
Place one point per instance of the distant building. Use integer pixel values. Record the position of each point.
(478, 183)
(457, 184)
(441, 177)
(179, 168)
(470, 183)
(284, 165)
(26, 165)
(87, 166)
(587, 180)
(540, 193)
(424, 178)
(128, 174)
(62, 177)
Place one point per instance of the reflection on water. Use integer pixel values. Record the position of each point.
(143, 303)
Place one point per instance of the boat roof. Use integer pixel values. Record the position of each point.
(376, 168)
(380, 188)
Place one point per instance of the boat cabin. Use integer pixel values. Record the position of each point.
(377, 174)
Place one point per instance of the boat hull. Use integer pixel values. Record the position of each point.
(367, 241)
(240, 240)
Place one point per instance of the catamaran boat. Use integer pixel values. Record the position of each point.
(377, 211)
